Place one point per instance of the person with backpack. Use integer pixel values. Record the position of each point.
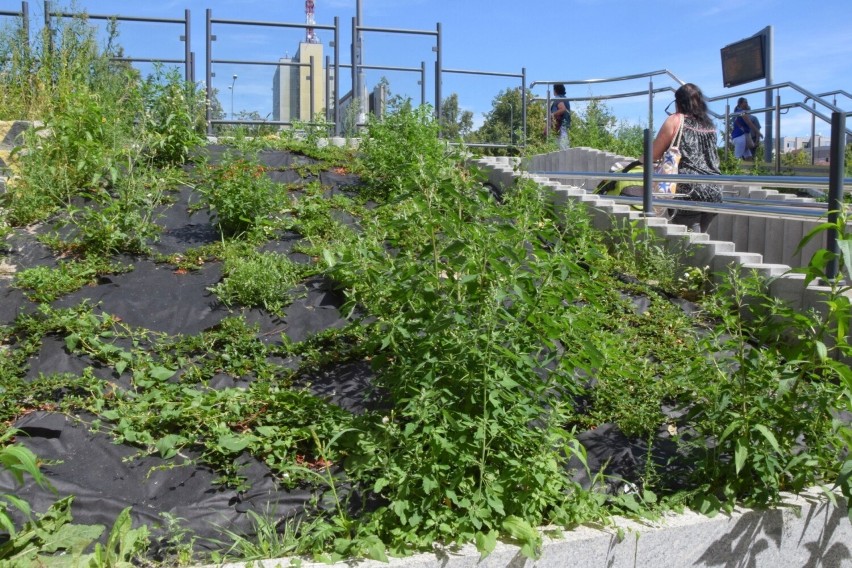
(745, 131)
(560, 115)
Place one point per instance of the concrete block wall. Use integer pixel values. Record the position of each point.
(805, 531)
(775, 239)
(746, 244)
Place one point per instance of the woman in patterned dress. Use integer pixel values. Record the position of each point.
(699, 154)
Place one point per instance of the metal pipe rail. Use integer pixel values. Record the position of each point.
(24, 15)
(523, 77)
(421, 70)
(646, 75)
(817, 182)
(211, 37)
(357, 66)
(736, 207)
(186, 38)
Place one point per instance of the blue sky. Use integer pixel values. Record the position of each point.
(554, 41)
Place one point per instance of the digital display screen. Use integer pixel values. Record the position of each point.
(743, 62)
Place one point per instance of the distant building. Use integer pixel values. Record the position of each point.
(294, 93)
(793, 143)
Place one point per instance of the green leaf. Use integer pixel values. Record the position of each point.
(740, 454)
(166, 446)
(71, 342)
(845, 246)
(770, 437)
(161, 373)
(485, 543)
(822, 351)
(495, 503)
(380, 484)
(429, 484)
(374, 548)
(525, 533)
(73, 538)
(329, 258)
(233, 443)
(267, 431)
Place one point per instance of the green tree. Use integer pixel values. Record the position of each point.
(455, 123)
(504, 123)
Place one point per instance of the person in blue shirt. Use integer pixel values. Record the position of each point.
(746, 130)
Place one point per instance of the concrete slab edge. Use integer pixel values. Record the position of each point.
(807, 530)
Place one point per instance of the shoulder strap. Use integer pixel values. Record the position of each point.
(676, 140)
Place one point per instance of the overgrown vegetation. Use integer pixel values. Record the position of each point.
(495, 331)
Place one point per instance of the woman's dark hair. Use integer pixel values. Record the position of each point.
(559, 89)
(690, 101)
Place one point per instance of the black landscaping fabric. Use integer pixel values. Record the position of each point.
(106, 477)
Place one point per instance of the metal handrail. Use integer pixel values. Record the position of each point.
(612, 79)
(186, 37)
(210, 37)
(818, 182)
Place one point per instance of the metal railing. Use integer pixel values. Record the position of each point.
(777, 110)
(210, 60)
(834, 182)
(523, 77)
(358, 65)
(187, 59)
(24, 14)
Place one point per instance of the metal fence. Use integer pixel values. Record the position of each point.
(187, 59)
(334, 98)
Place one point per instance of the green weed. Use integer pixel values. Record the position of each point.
(259, 279)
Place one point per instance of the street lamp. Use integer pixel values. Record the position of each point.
(232, 96)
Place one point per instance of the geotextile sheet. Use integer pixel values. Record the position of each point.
(106, 477)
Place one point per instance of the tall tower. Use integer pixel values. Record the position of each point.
(310, 36)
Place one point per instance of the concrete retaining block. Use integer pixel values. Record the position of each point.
(756, 233)
(764, 270)
(763, 244)
(723, 262)
(807, 530)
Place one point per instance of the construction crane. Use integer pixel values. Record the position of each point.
(310, 36)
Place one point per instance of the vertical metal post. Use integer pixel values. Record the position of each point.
(337, 126)
(208, 71)
(547, 116)
(813, 134)
(47, 28)
(192, 67)
(778, 133)
(327, 89)
(187, 48)
(360, 78)
(312, 84)
(769, 62)
(647, 171)
(438, 71)
(727, 126)
(422, 83)
(356, 95)
(512, 122)
(836, 169)
(651, 104)
(25, 22)
(524, 106)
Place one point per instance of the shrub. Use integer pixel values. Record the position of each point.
(401, 150)
(264, 279)
(239, 194)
